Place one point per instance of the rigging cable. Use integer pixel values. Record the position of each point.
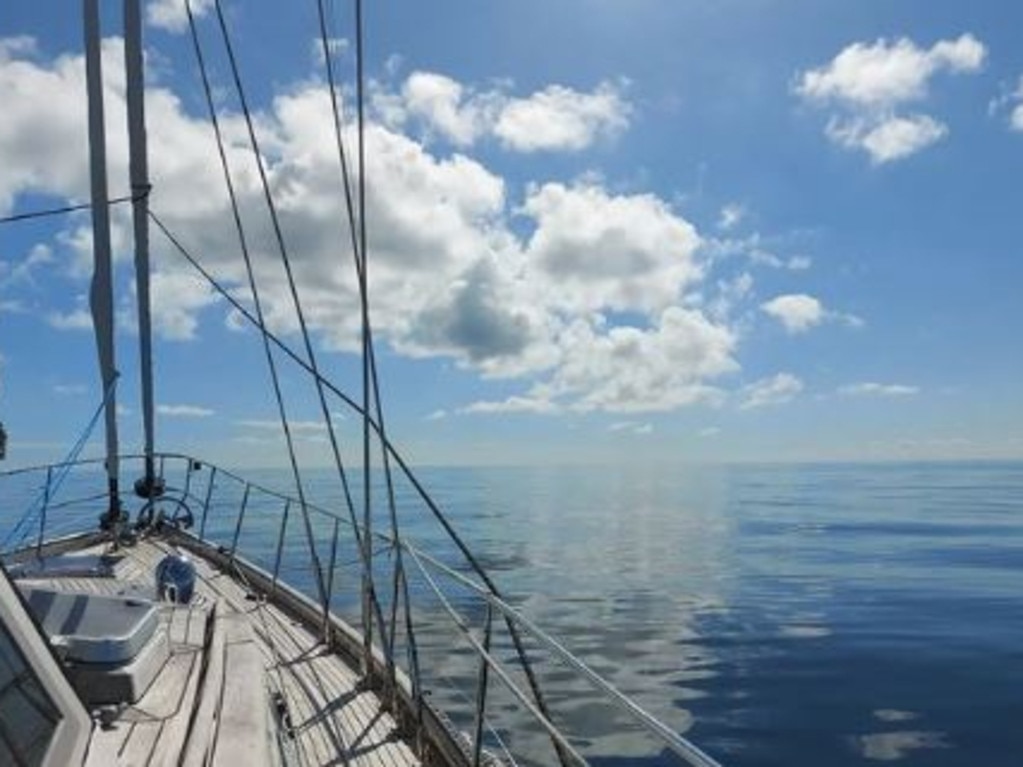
(369, 367)
(359, 253)
(260, 323)
(406, 470)
(246, 256)
(53, 483)
(285, 260)
(61, 211)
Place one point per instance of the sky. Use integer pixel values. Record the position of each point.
(599, 231)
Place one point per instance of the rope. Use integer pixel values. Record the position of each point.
(260, 321)
(64, 210)
(53, 484)
(286, 262)
(359, 252)
(388, 445)
(243, 241)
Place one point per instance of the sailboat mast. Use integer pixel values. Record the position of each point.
(139, 171)
(101, 293)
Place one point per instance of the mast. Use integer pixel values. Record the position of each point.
(139, 171)
(101, 293)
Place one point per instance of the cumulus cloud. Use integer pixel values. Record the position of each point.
(868, 83)
(890, 139)
(874, 389)
(798, 312)
(177, 298)
(582, 293)
(624, 369)
(776, 390)
(614, 252)
(556, 118)
(443, 104)
(888, 74)
(171, 14)
(561, 119)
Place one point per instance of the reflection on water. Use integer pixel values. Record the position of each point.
(889, 746)
(797, 615)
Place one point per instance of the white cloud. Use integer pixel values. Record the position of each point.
(730, 294)
(873, 389)
(176, 300)
(14, 47)
(631, 427)
(710, 431)
(336, 46)
(437, 415)
(599, 251)
(442, 103)
(512, 404)
(184, 411)
(893, 138)
(561, 119)
(529, 288)
(77, 319)
(628, 370)
(886, 74)
(171, 15)
(1014, 100)
(556, 118)
(756, 250)
(731, 215)
(798, 312)
(777, 390)
(868, 83)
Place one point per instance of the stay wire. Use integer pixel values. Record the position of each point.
(359, 243)
(406, 470)
(286, 262)
(253, 286)
(363, 293)
(282, 248)
(63, 210)
(54, 484)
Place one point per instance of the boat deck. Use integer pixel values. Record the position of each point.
(236, 662)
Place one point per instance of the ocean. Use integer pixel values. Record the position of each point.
(776, 615)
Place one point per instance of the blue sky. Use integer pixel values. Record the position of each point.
(599, 230)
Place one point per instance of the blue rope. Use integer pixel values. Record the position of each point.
(52, 486)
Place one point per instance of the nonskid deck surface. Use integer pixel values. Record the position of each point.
(215, 705)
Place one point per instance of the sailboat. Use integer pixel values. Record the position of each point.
(192, 618)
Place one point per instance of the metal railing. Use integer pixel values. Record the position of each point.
(248, 524)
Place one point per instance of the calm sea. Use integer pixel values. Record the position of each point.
(778, 615)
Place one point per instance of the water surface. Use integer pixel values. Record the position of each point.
(778, 615)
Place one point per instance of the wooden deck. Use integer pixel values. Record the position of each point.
(234, 660)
